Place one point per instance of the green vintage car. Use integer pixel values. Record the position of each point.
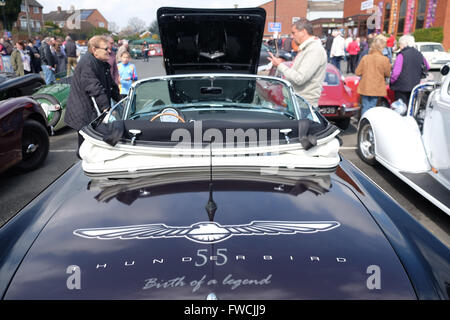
(53, 99)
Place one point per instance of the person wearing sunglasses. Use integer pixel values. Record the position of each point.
(92, 79)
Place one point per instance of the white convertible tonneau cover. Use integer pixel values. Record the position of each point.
(127, 160)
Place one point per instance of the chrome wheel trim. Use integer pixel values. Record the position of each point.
(367, 142)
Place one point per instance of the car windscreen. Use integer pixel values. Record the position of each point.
(431, 48)
(211, 93)
(331, 79)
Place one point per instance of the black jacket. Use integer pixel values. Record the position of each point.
(35, 62)
(71, 49)
(92, 78)
(47, 57)
(411, 70)
(329, 42)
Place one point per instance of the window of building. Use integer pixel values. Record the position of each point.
(387, 16)
(421, 9)
(23, 23)
(36, 10)
(23, 8)
(101, 24)
(401, 17)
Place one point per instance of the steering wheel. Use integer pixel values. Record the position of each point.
(168, 112)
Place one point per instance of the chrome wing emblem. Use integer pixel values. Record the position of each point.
(206, 232)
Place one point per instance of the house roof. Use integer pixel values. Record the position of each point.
(63, 15)
(33, 3)
(57, 16)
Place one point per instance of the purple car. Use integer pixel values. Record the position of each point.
(24, 139)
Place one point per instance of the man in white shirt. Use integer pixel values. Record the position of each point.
(308, 70)
(337, 50)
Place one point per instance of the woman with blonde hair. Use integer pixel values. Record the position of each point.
(373, 69)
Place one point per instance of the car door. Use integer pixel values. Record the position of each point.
(436, 130)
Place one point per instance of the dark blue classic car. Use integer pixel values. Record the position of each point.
(204, 185)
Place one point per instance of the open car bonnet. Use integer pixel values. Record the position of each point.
(211, 40)
(238, 235)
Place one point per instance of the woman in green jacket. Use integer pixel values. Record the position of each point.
(16, 59)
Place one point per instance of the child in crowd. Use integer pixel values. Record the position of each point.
(127, 73)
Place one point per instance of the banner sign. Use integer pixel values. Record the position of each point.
(274, 26)
(5, 64)
(409, 16)
(393, 17)
(380, 10)
(366, 5)
(431, 13)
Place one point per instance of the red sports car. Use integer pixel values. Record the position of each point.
(155, 50)
(339, 100)
(353, 81)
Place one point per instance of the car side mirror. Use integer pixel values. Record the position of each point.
(445, 69)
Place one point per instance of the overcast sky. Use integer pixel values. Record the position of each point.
(120, 11)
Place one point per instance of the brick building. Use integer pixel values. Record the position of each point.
(88, 19)
(287, 12)
(35, 16)
(402, 16)
(326, 16)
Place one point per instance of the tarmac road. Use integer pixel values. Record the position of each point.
(16, 190)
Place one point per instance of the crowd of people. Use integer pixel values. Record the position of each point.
(106, 72)
(55, 56)
(35, 56)
(352, 49)
(369, 57)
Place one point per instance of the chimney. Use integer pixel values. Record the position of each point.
(59, 9)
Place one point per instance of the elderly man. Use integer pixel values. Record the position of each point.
(92, 79)
(308, 70)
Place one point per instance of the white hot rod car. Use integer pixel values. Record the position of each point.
(415, 146)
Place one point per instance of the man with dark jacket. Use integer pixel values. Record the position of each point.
(34, 56)
(48, 62)
(71, 52)
(328, 45)
(92, 79)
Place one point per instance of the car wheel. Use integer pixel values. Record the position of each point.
(343, 123)
(366, 143)
(35, 145)
(53, 117)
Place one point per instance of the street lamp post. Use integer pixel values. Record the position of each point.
(28, 19)
(275, 11)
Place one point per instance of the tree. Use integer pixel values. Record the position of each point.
(136, 25)
(12, 9)
(113, 27)
(154, 28)
(98, 31)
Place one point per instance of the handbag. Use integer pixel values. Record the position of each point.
(424, 71)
